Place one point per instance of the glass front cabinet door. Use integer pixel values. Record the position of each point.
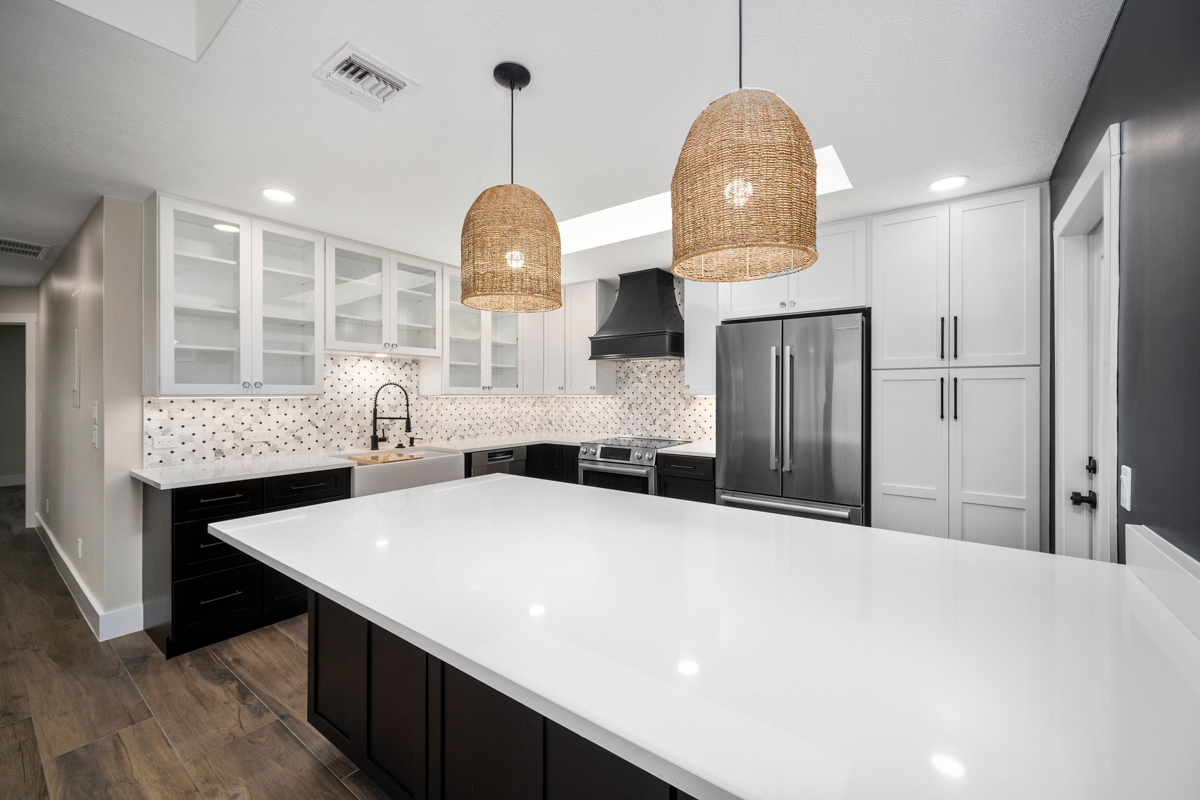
(482, 348)
(289, 319)
(205, 339)
(416, 306)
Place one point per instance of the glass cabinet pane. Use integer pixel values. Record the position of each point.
(357, 297)
(416, 306)
(504, 351)
(289, 311)
(207, 299)
(464, 340)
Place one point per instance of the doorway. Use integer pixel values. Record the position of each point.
(1086, 240)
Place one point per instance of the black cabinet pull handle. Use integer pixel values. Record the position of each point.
(219, 499)
(222, 597)
(942, 349)
(942, 398)
(956, 337)
(956, 398)
(307, 486)
(680, 466)
(210, 544)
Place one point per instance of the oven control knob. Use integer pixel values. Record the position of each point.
(638, 456)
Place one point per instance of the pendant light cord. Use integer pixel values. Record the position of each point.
(739, 44)
(512, 127)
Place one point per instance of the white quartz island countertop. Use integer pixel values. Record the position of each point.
(738, 654)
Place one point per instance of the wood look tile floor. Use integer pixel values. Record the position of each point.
(83, 718)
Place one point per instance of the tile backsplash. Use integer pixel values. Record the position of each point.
(649, 401)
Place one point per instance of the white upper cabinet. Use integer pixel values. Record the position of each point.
(910, 264)
(482, 351)
(382, 302)
(587, 306)
(995, 279)
(532, 338)
(838, 279)
(289, 300)
(700, 320)
(554, 351)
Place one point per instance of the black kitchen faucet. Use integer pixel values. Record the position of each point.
(375, 437)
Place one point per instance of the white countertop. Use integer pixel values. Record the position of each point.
(237, 469)
(830, 661)
(700, 449)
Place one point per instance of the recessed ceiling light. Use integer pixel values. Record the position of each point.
(653, 214)
(948, 766)
(279, 195)
(221, 226)
(689, 667)
(946, 184)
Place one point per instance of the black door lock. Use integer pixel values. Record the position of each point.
(1078, 499)
(1091, 465)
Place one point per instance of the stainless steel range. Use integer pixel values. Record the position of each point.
(624, 463)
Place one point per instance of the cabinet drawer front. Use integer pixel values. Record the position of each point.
(197, 552)
(281, 593)
(236, 498)
(225, 598)
(684, 467)
(306, 488)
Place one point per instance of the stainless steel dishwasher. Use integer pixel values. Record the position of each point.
(504, 459)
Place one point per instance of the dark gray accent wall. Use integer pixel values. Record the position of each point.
(1149, 79)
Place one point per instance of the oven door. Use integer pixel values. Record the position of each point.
(622, 477)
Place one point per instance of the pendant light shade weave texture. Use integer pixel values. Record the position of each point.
(511, 252)
(744, 194)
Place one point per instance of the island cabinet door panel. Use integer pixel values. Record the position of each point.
(396, 715)
(909, 450)
(576, 769)
(910, 288)
(336, 690)
(492, 745)
(994, 456)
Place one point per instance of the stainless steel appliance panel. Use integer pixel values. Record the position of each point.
(748, 435)
(506, 459)
(623, 478)
(822, 409)
(851, 515)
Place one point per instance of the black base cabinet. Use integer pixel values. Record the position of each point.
(423, 730)
(196, 589)
(687, 478)
(553, 462)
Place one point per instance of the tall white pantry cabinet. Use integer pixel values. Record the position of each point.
(956, 348)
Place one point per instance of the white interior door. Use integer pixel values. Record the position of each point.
(994, 456)
(910, 287)
(554, 342)
(759, 298)
(995, 280)
(909, 450)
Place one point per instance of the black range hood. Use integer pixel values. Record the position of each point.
(645, 321)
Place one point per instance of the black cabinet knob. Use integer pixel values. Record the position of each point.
(1078, 499)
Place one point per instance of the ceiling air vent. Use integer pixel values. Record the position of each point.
(11, 247)
(364, 79)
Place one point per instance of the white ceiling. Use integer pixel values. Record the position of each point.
(906, 91)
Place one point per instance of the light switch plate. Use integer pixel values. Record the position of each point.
(96, 436)
(165, 441)
(256, 436)
(1126, 488)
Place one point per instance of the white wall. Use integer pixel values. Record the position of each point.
(18, 299)
(12, 405)
(92, 508)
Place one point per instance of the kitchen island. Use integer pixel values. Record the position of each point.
(734, 654)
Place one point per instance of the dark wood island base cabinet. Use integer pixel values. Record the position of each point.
(196, 589)
(423, 730)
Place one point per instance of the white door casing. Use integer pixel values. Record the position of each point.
(1087, 286)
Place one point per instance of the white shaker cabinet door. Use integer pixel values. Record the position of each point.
(532, 333)
(994, 456)
(761, 298)
(588, 305)
(839, 277)
(554, 357)
(700, 338)
(910, 487)
(910, 287)
(995, 279)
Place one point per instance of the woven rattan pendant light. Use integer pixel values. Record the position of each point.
(744, 194)
(511, 251)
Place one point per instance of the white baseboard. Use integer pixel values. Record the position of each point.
(106, 625)
(1171, 574)
(12, 480)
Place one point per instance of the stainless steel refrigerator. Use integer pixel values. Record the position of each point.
(791, 427)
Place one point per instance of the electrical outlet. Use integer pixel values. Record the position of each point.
(165, 441)
(256, 436)
(1126, 488)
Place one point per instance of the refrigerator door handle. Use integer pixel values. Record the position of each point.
(787, 408)
(774, 406)
(752, 501)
